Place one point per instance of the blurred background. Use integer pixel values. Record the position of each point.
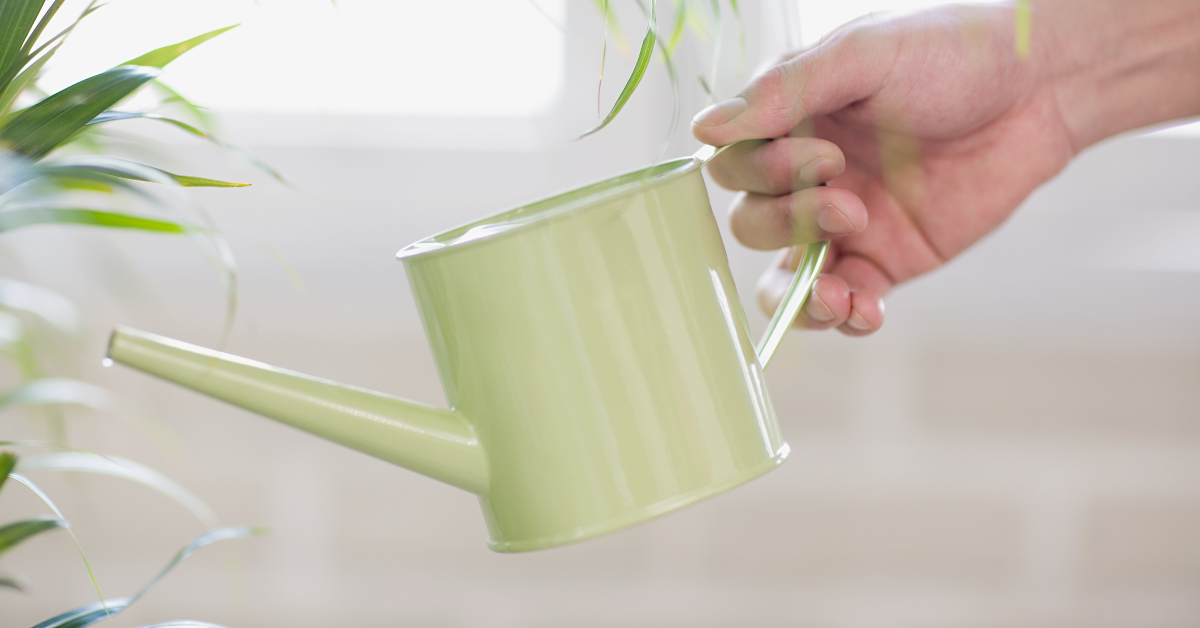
(1018, 447)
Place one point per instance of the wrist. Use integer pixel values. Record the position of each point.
(1117, 65)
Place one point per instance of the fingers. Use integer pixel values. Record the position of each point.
(772, 222)
(848, 297)
(778, 166)
(866, 315)
(818, 81)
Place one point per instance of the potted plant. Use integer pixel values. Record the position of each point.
(41, 184)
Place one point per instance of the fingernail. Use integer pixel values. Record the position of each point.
(816, 308)
(856, 321)
(721, 112)
(832, 220)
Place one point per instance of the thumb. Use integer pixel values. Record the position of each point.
(818, 81)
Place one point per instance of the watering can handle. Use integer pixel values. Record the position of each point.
(798, 290)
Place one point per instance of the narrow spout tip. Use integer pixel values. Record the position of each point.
(118, 342)
(112, 338)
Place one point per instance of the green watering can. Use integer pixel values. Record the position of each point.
(593, 351)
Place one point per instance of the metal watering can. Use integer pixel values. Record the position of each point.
(593, 351)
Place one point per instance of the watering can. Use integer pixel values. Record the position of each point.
(592, 349)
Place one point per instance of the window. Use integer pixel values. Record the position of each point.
(489, 58)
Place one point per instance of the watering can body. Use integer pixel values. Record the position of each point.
(593, 352)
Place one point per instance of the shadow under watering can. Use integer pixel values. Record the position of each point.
(592, 349)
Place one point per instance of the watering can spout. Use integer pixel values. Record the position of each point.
(438, 443)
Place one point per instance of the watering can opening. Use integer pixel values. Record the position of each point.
(559, 205)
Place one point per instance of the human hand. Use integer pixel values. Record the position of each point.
(927, 127)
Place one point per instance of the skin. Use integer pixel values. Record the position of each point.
(930, 130)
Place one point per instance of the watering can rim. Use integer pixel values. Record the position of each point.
(670, 169)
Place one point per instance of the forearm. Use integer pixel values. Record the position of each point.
(1116, 65)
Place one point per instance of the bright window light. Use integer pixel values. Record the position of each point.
(483, 58)
(820, 17)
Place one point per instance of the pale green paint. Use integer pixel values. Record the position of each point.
(429, 440)
(591, 345)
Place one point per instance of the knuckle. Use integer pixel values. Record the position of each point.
(770, 92)
(780, 165)
(779, 175)
(781, 220)
(761, 223)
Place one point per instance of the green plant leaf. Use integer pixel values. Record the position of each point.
(669, 65)
(16, 532)
(15, 171)
(220, 534)
(160, 57)
(99, 611)
(45, 443)
(614, 26)
(86, 615)
(62, 35)
(45, 304)
(63, 391)
(250, 158)
(201, 182)
(69, 184)
(125, 469)
(80, 173)
(133, 171)
(41, 128)
(29, 75)
(203, 118)
(666, 51)
(57, 390)
(49, 502)
(111, 116)
(10, 582)
(718, 37)
(8, 460)
(17, 17)
(29, 216)
(741, 26)
(64, 178)
(645, 54)
(23, 81)
(696, 22)
(104, 169)
(14, 344)
(48, 15)
(681, 15)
